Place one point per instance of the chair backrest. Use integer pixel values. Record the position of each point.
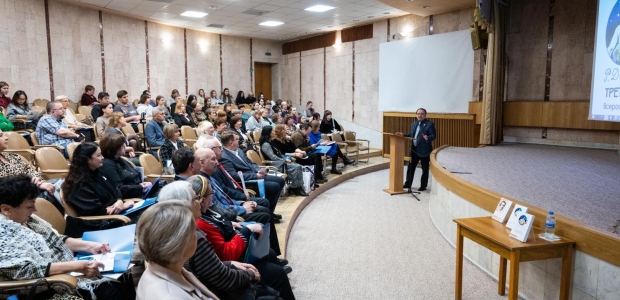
(79, 117)
(350, 136)
(234, 106)
(128, 129)
(70, 148)
(151, 165)
(324, 137)
(254, 157)
(95, 131)
(135, 103)
(41, 102)
(69, 210)
(129, 161)
(73, 106)
(49, 158)
(256, 135)
(336, 138)
(48, 212)
(188, 133)
(37, 108)
(17, 141)
(85, 110)
(35, 141)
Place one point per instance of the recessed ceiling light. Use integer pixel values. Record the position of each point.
(318, 29)
(386, 13)
(271, 23)
(342, 23)
(356, 20)
(370, 17)
(329, 26)
(319, 8)
(408, 0)
(212, 7)
(194, 14)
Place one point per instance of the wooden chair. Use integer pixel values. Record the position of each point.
(256, 137)
(18, 144)
(40, 102)
(189, 135)
(73, 106)
(153, 168)
(71, 148)
(36, 144)
(70, 211)
(36, 107)
(357, 144)
(85, 110)
(344, 147)
(135, 103)
(52, 163)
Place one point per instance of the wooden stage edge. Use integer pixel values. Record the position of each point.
(600, 244)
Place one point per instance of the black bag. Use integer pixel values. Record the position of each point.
(265, 292)
(76, 227)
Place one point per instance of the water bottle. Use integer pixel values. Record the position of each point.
(550, 226)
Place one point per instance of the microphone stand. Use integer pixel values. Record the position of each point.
(413, 193)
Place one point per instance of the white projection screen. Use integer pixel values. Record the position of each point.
(605, 96)
(434, 72)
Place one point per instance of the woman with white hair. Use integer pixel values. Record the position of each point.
(167, 238)
(206, 131)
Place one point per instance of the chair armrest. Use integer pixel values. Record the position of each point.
(18, 120)
(60, 148)
(64, 279)
(108, 217)
(49, 174)
(151, 177)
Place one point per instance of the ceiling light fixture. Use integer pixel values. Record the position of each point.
(212, 7)
(370, 17)
(319, 8)
(386, 13)
(194, 14)
(271, 23)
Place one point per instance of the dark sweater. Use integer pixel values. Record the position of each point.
(93, 195)
(124, 176)
(329, 126)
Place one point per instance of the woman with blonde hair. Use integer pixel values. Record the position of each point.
(205, 131)
(181, 118)
(172, 143)
(115, 126)
(167, 238)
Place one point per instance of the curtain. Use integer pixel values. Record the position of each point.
(494, 78)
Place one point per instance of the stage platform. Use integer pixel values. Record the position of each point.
(580, 185)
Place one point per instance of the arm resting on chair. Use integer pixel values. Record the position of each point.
(63, 279)
(124, 219)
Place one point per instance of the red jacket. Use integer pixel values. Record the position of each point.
(87, 100)
(4, 101)
(226, 251)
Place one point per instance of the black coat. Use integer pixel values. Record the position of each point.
(93, 195)
(124, 176)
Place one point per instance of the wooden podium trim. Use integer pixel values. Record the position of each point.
(590, 240)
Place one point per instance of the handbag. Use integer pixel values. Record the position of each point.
(47, 293)
(308, 176)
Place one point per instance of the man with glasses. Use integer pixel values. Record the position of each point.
(51, 130)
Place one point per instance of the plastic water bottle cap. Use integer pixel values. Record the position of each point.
(550, 212)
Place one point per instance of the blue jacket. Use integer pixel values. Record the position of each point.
(424, 147)
(220, 198)
(154, 134)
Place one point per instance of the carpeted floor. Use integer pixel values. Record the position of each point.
(582, 184)
(357, 242)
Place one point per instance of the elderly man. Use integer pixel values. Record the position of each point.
(69, 118)
(234, 160)
(154, 130)
(51, 130)
(230, 186)
(248, 210)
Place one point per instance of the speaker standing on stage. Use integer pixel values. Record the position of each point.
(423, 133)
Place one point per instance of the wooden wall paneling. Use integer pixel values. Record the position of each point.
(356, 33)
(523, 113)
(315, 42)
(560, 115)
(600, 244)
(475, 108)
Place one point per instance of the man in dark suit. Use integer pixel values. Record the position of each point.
(233, 160)
(423, 133)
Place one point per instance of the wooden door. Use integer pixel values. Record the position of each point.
(262, 79)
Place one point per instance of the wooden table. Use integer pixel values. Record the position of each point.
(495, 237)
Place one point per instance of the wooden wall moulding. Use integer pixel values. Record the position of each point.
(553, 114)
(600, 244)
(457, 130)
(357, 33)
(311, 43)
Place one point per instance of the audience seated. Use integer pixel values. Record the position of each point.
(167, 238)
(173, 97)
(154, 130)
(295, 115)
(144, 107)
(69, 118)
(255, 122)
(225, 97)
(211, 114)
(212, 100)
(31, 249)
(239, 113)
(19, 109)
(107, 110)
(254, 108)
(329, 124)
(160, 102)
(248, 210)
(240, 100)
(88, 191)
(289, 125)
(115, 125)
(51, 130)
(102, 99)
(201, 97)
(250, 98)
(236, 125)
(309, 111)
(284, 109)
(228, 110)
(119, 172)
(88, 98)
(181, 118)
(171, 144)
(191, 99)
(129, 111)
(205, 131)
(225, 238)
(316, 117)
(186, 163)
(269, 109)
(266, 121)
(12, 164)
(198, 116)
(284, 164)
(315, 139)
(285, 145)
(5, 124)
(220, 126)
(5, 100)
(276, 119)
